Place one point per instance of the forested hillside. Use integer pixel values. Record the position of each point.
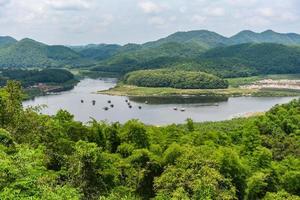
(29, 53)
(231, 61)
(175, 79)
(6, 40)
(246, 53)
(32, 77)
(55, 157)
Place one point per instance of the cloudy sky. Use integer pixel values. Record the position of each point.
(123, 21)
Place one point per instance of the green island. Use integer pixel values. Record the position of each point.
(235, 88)
(174, 79)
(56, 157)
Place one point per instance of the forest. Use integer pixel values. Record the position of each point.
(32, 77)
(174, 79)
(240, 60)
(56, 157)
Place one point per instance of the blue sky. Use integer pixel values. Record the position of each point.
(74, 22)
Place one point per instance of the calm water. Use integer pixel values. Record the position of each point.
(157, 111)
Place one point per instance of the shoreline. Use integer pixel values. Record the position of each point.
(129, 90)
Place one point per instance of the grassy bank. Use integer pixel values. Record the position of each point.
(234, 90)
(236, 82)
(128, 90)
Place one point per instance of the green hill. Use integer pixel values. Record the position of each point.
(265, 58)
(268, 36)
(29, 53)
(175, 79)
(230, 61)
(204, 38)
(6, 41)
(97, 52)
(147, 58)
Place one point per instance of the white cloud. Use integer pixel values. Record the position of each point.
(216, 12)
(4, 2)
(121, 21)
(68, 4)
(257, 22)
(150, 7)
(198, 19)
(242, 3)
(157, 21)
(266, 12)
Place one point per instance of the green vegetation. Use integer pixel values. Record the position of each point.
(230, 61)
(255, 59)
(32, 77)
(175, 79)
(39, 82)
(29, 53)
(236, 82)
(97, 52)
(245, 54)
(129, 90)
(55, 157)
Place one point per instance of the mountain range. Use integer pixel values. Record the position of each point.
(245, 53)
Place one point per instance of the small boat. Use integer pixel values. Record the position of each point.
(109, 101)
(94, 102)
(126, 101)
(175, 108)
(182, 109)
(105, 108)
(130, 106)
(140, 107)
(81, 101)
(112, 105)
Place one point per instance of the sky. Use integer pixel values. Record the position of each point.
(78, 22)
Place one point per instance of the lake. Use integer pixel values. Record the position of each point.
(154, 110)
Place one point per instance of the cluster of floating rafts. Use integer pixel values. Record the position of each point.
(129, 105)
(112, 105)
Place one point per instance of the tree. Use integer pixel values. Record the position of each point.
(135, 133)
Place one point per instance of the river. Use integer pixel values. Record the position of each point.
(157, 111)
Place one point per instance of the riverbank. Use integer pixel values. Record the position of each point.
(129, 90)
(46, 89)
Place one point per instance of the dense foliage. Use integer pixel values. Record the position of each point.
(97, 52)
(251, 54)
(231, 61)
(32, 77)
(55, 157)
(29, 53)
(175, 79)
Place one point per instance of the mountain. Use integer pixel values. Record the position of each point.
(30, 53)
(7, 40)
(97, 51)
(229, 61)
(149, 57)
(177, 47)
(252, 59)
(268, 36)
(204, 38)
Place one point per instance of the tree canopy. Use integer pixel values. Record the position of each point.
(56, 157)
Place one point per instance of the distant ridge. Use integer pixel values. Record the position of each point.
(267, 36)
(177, 46)
(30, 53)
